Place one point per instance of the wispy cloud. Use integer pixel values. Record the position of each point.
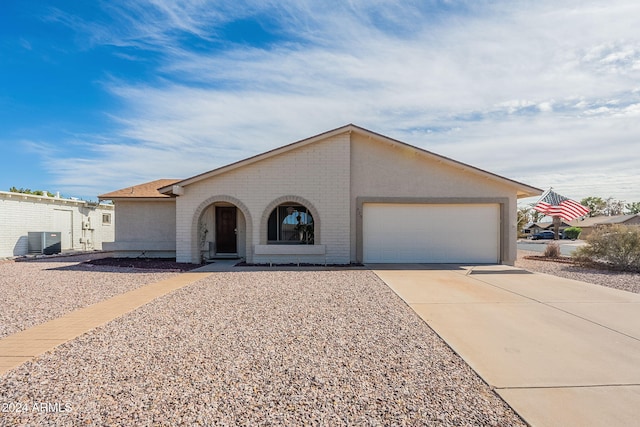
(540, 91)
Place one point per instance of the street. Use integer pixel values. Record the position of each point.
(567, 247)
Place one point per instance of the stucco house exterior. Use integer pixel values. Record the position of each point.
(82, 225)
(348, 195)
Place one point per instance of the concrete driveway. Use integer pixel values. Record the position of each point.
(559, 351)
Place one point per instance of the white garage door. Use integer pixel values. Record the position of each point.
(428, 233)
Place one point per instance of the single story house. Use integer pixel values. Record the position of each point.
(589, 224)
(82, 225)
(348, 195)
(536, 227)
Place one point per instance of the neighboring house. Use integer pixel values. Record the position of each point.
(348, 195)
(589, 224)
(536, 227)
(146, 220)
(83, 225)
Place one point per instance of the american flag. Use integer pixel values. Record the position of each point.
(553, 204)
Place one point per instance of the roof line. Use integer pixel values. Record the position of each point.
(343, 129)
(448, 159)
(258, 157)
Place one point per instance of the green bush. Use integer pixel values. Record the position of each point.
(617, 245)
(572, 232)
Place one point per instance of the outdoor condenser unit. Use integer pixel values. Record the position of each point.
(45, 242)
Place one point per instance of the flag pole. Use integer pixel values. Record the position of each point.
(556, 227)
(545, 193)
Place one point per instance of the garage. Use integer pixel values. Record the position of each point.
(431, 233)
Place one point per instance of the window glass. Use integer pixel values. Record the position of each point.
(290, 223)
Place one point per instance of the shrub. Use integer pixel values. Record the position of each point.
(617, 245)
(572, 232)
(552, 250)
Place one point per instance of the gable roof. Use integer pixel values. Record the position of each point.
(523, 190)
(619, 219)
(545, 225)
(600, 220)
(141, 191)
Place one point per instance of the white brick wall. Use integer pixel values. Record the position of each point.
(145, 227)
(318, 173)
(22, 213)
(412, 174)
(328, 176)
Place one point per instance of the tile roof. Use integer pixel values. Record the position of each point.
(145, 190)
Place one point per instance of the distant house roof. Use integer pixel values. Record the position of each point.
(602, 220)
(538, 225)
(141, 191)
(545, 225)
(618, 219)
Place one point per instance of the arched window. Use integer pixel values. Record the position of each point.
(290, 223)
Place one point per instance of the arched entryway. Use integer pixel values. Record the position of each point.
(222, 228)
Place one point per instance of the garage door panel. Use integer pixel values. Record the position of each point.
(428, 233)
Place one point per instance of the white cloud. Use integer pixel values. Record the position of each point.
(535, 90)
(546, 107)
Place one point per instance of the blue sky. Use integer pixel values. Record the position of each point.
(100, 95)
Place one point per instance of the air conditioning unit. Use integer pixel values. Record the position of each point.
(44, 242)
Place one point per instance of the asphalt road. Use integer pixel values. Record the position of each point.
(567, 247)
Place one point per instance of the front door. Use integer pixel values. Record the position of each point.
(226, 242)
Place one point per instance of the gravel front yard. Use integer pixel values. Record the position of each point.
(244, 348)
(259, 348)
(37, 291)
(613, 279)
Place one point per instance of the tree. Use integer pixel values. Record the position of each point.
(633, 208)
(614, 207)
(29, 191)
(534, 215)
(527, 214)
(523, 217)
(596, 205)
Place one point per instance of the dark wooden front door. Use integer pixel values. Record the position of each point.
(226, 230)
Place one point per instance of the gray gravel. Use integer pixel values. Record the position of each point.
(37, 291)
(613, 279)
(260, 348)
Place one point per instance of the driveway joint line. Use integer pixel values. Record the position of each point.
(558, 308)
(567, 386)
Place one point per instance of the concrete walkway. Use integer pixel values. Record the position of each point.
(25, 345)
(559, 351)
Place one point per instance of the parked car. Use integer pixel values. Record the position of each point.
(543, 235)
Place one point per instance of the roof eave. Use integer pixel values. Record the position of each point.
(253, 159)
(121, 198)
(523, 190)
